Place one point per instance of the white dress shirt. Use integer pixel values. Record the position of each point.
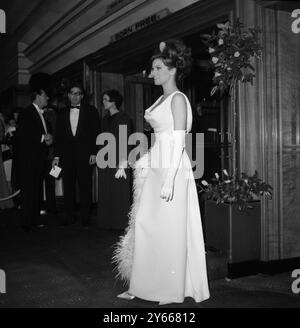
(74, 117)
(40, 112)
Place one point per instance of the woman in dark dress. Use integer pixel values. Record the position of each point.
(114, 183)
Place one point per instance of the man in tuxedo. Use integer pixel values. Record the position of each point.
(50, 201)
(77, 127)
(33, 140)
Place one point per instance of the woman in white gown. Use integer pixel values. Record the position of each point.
(162, 254)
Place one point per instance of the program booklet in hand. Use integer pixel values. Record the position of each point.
(55, 171)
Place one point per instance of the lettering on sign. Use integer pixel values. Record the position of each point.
(140, 25)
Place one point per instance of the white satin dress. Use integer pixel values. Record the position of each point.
(162, 254)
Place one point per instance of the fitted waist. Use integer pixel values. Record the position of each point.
(164, 135)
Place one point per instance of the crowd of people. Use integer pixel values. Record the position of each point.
(47, 134)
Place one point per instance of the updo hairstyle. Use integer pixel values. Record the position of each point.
(175, 54)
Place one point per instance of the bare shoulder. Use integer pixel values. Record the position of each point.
(179, 111)
(179, 98)
(178, 104)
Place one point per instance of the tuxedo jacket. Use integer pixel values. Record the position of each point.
(29, 135)
(80, 147)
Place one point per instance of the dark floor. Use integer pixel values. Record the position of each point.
(71, 267)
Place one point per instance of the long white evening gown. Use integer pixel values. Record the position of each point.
(162, 253)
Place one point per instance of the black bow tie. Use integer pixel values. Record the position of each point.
(77, 106)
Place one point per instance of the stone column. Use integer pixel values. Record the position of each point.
(269, 125)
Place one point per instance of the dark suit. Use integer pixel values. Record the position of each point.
(50, 203)
(31, 158)
(74, 153)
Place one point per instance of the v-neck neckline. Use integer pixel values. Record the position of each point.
(155, 105)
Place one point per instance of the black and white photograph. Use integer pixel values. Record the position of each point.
(149, 157)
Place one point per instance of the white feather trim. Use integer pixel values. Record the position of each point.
(124, 248)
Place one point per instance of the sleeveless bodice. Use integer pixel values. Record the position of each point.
(160, 116)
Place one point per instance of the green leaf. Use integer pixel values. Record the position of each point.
(214, 89)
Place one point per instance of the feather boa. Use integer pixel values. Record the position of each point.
(124, 248)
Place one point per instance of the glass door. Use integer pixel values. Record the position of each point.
(140, 93)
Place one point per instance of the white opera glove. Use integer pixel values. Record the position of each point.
(121, 170)
(178, 147)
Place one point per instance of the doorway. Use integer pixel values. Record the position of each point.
(140, 94)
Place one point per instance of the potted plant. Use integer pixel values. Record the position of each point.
(233, 49)
(232, 215)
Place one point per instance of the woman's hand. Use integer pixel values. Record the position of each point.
(120, 174)
(92, 160)
(167, 190)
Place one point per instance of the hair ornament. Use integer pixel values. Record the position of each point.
(162, 46)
